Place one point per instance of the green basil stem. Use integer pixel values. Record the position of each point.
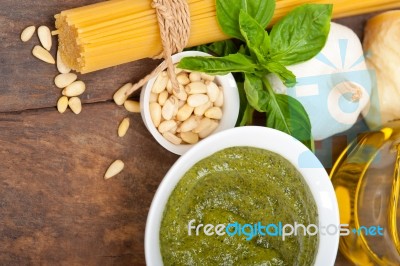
(247, 118)
(275, 102)
(285, 119)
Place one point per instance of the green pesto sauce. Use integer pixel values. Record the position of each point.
(244, 185)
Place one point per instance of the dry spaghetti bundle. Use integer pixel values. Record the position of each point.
(119, 31)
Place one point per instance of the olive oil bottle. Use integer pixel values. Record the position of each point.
(366, 179)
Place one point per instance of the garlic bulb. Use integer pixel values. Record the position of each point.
(334, 86)
(381, 42)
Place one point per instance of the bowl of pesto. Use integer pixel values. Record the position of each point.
(245, 196)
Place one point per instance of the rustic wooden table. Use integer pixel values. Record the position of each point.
(55, 206)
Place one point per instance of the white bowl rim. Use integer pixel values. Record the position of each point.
(254, 136)
(230, 108)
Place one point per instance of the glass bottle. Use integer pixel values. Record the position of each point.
(366, 178)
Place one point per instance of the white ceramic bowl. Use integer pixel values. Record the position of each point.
(260, 137)
(230, 108)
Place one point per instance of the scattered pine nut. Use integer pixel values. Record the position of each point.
(76, 88)
(169, 86)
(120, 95)
(207, 77)
(220, 99)
(184, 112)
(123, 127)
(180, 94)
(212, 91)
(196, 100)
(75, 104)
(161, 82)
(63, 80)
(183, 79)
(189, 124)
(153, 97)
(132, 106)
(214, 113)
(204, 124)
(181, 104)
(61, 66)
(166, 125)
(115, 168)
(178, 70)
(172, 138)
(190, 137)
(27, 33)
(173, 130)
(206, 132)
(162, 97)
(196, 88)
(200, 110)
(195, 76)
(44, 35)
(62, 104)
(42, 54)
(155, 113)
(169, 107)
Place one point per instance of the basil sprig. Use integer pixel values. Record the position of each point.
(299, 36)
(228, 14)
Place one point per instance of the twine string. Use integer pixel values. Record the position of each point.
(174, 22)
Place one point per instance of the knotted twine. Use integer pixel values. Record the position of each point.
(174, 22)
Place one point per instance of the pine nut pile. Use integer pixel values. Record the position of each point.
(72, 88)
(189, 113)
(65, 80)
(182, 115)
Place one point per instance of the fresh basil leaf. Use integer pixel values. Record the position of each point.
(242, 101)
(243, 49)
(301, 34)
(287, 76)
(256, 94)
(247, 117)
(221, 48)
(256, 37)
(228, 14)
(287, 114)
(219, 65)
(201, 48)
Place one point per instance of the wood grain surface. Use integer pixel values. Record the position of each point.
(26, 82)
(55, 206)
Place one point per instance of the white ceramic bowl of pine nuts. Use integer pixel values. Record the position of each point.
(204, 105)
